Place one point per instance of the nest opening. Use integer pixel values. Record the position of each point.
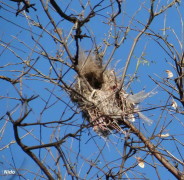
(95, 82)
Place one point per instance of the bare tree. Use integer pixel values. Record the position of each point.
(92, 89)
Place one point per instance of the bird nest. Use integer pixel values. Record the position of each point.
(97, 95)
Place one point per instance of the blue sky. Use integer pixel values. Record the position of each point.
(156, 62)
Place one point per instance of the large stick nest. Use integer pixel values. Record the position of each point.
(96, 94)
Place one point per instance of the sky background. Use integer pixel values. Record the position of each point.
(18, 33)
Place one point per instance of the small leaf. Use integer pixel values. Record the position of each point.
(169, 74)
(164, 135)
(174, 104)
(140, 162)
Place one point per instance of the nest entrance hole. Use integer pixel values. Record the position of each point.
(94, 81)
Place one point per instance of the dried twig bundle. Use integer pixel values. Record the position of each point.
(97, 96)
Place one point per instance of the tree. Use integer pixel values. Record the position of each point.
(74, 75)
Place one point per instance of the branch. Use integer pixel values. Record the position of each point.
(168, 6)
(26, 6)
(61, 13)
(57, 143)
(28, 152)
(155, 152)
(32, 155)
(13, 81)
(119, 9)
(151, 17)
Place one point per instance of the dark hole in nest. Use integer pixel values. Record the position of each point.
(95, 81)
